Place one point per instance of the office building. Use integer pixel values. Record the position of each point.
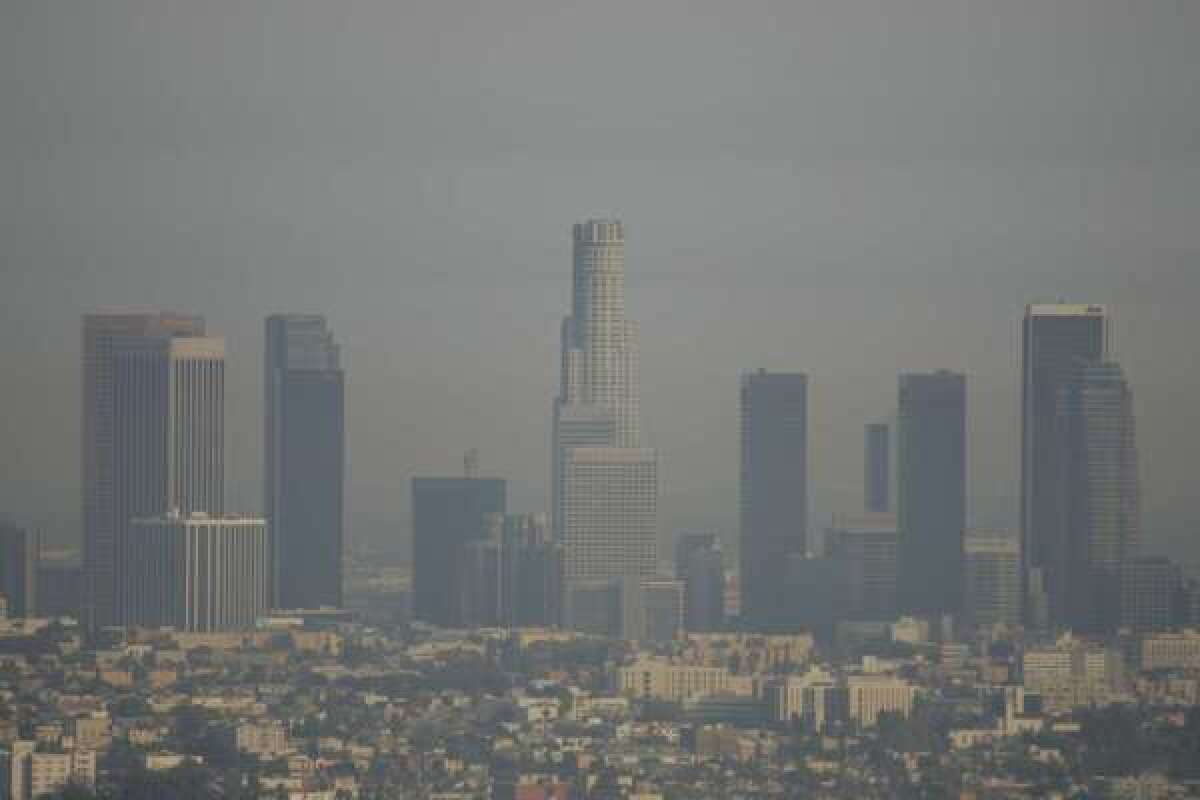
(598, 399)
(877, 472)
(992, 590)
(661, 607)
(533, 594)
(864, 547)
(604, 484)
(195, 572)
(700, 565)
(1056, 339)
(59, 585)
(447, 514)
(304, 460)
(932, 496)
(103, 335)
(774, 490)
(610, 513)
(595, 606)
(1151, 594)
(19, 553)
(168, 434)
(1098, 496)
(814, 588)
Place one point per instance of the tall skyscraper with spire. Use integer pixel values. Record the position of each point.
(604, 484)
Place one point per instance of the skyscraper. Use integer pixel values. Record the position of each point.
(513, 576)
(1152, 595)
(196, 572)
(1098, 496)
(932, 416)
(103, 334)
(700, 565)
(610, 513)
(877, 469)
(1056, 339)
(604, 484)
(448, 513)
(992, 585)
(774, 490)
(863, 546)
(19, 552)
(168, 400)
(304, 460)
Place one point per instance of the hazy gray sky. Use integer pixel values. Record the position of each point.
(847, 188)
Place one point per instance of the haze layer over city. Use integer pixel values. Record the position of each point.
(849, 190)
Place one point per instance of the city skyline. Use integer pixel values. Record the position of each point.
(889, 194)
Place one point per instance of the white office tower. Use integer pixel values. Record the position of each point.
(604, 484)
(199, 573)
(168, 410)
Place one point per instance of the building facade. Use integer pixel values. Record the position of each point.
(304, 460)
(877, 469)
(1098, 496)
(1056, 339)
(103, 336)
(447, 514)
(196, 572)
(700, 565)
(773, 495)
(992, 590)
(19, 553)
(932, 497)
(169, 435)
(864, 546)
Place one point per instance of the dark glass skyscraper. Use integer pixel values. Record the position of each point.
(932, 491)
(448, 513)
(1098, 497)
(877, 468)
(304, 458)
(774, 491)
(19, 553)
(700, 565)
(1056, 339)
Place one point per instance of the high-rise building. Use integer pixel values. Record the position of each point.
(661, 618)
(1056, 339)
(774, 490)
(932, 417)
(1098, 496)
(1151, 594)
(168, 398)
(700, 565)
(877, 469)
(19, 552)
(864, 547)
(512, 576)
(604, 484)
(610, 513)
(447, 514)
(103, 335)
(304, 460)
(196, 572)
(992, 585)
